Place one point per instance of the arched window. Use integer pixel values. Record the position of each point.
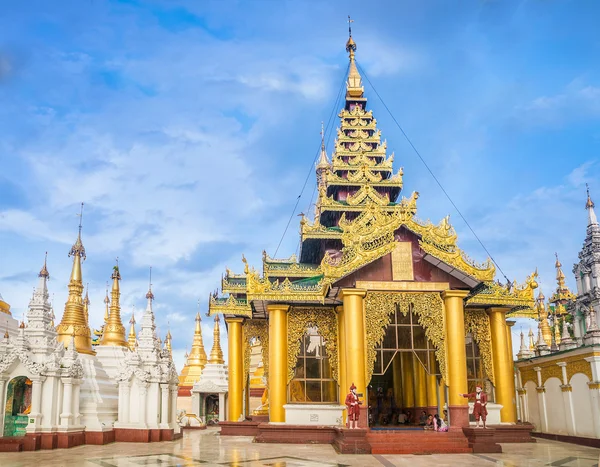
(313, 381)
(475, 374)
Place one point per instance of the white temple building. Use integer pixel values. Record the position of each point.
(58, 390)
(558, 378)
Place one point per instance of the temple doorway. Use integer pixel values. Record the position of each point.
(211, 409)
(18, 406)
(405, 388)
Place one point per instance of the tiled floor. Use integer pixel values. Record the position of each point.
(208, 449)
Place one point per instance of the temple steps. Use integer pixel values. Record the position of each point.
(411, 442)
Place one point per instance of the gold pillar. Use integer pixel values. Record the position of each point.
(420, 383)
(503, 365)
(278, 350)
(408, 384)
(397, 378)
(342, 386)
(456, 356)
(432, 389)
(236, 369)
(442, 389)
(511, 360)
(354, 328)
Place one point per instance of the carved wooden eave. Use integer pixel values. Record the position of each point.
(229, 306)
(519, 298)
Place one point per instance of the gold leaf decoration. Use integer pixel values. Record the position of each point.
(477, 322)
(429, 309)
(299, 319)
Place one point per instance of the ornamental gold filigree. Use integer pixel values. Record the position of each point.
(477, 322)
(229, 306)
(256, 329)
(528, 375)
(299, 319)
(428, 307)
(551, 371)
(520, 297)
(579, 366)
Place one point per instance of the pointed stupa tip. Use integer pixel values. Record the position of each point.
(44, 270)
(354, 86)
(589, 205)
(78, 249)
(114, 331)
(150, 295)
(323, 162)
(86, 299)
(216, 353)
(557, 264)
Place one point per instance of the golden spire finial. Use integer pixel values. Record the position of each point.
(44, 270)
(106, 305)
(168, 340)
(73, 319)
(323, 163)
(196, 359)
(131, 340)
(354, 86)
(114, 331)
(216, 354)
(86, 302)
(560, 275)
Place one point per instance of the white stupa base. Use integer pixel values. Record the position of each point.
(99, 396)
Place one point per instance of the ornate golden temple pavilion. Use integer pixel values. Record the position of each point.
(376, 297)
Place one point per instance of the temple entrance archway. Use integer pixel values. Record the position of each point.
(406, 378)
(18, 406)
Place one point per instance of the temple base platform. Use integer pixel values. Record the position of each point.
(385, 440)
(65, 440)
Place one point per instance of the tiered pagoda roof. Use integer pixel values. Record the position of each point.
(357, 213)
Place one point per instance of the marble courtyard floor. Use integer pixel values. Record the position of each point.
(207, 449)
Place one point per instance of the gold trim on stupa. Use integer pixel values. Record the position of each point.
(114, 331)
(216, 353)
(73, 321)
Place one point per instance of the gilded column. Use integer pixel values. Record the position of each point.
(503, 366)
(278, 350)
(456, 357)
(432, 393)
(420, 384)
(511, 360)
(442, 393)
(397, 378)
(354, 323)
(408, 384)
(236, 368)
(341, 356)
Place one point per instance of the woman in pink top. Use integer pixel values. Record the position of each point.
(439, 424)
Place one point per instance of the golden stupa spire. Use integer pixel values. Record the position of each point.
(196, 360)
(106, 305)
(86, 303)
(73, 321)
(131, 340)
(543, 319)
(560, 275)
(354, 87)
(114, 331)
(216, 354)
(531, 341)
(168, 342)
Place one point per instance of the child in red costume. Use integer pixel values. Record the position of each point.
(479, 408)
(353, 405)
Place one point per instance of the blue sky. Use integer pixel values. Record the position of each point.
(188, 128)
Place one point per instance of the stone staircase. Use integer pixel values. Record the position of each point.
(418, 442)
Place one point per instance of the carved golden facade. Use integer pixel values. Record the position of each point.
(360, 220)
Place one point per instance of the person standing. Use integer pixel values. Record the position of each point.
(479, 408)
